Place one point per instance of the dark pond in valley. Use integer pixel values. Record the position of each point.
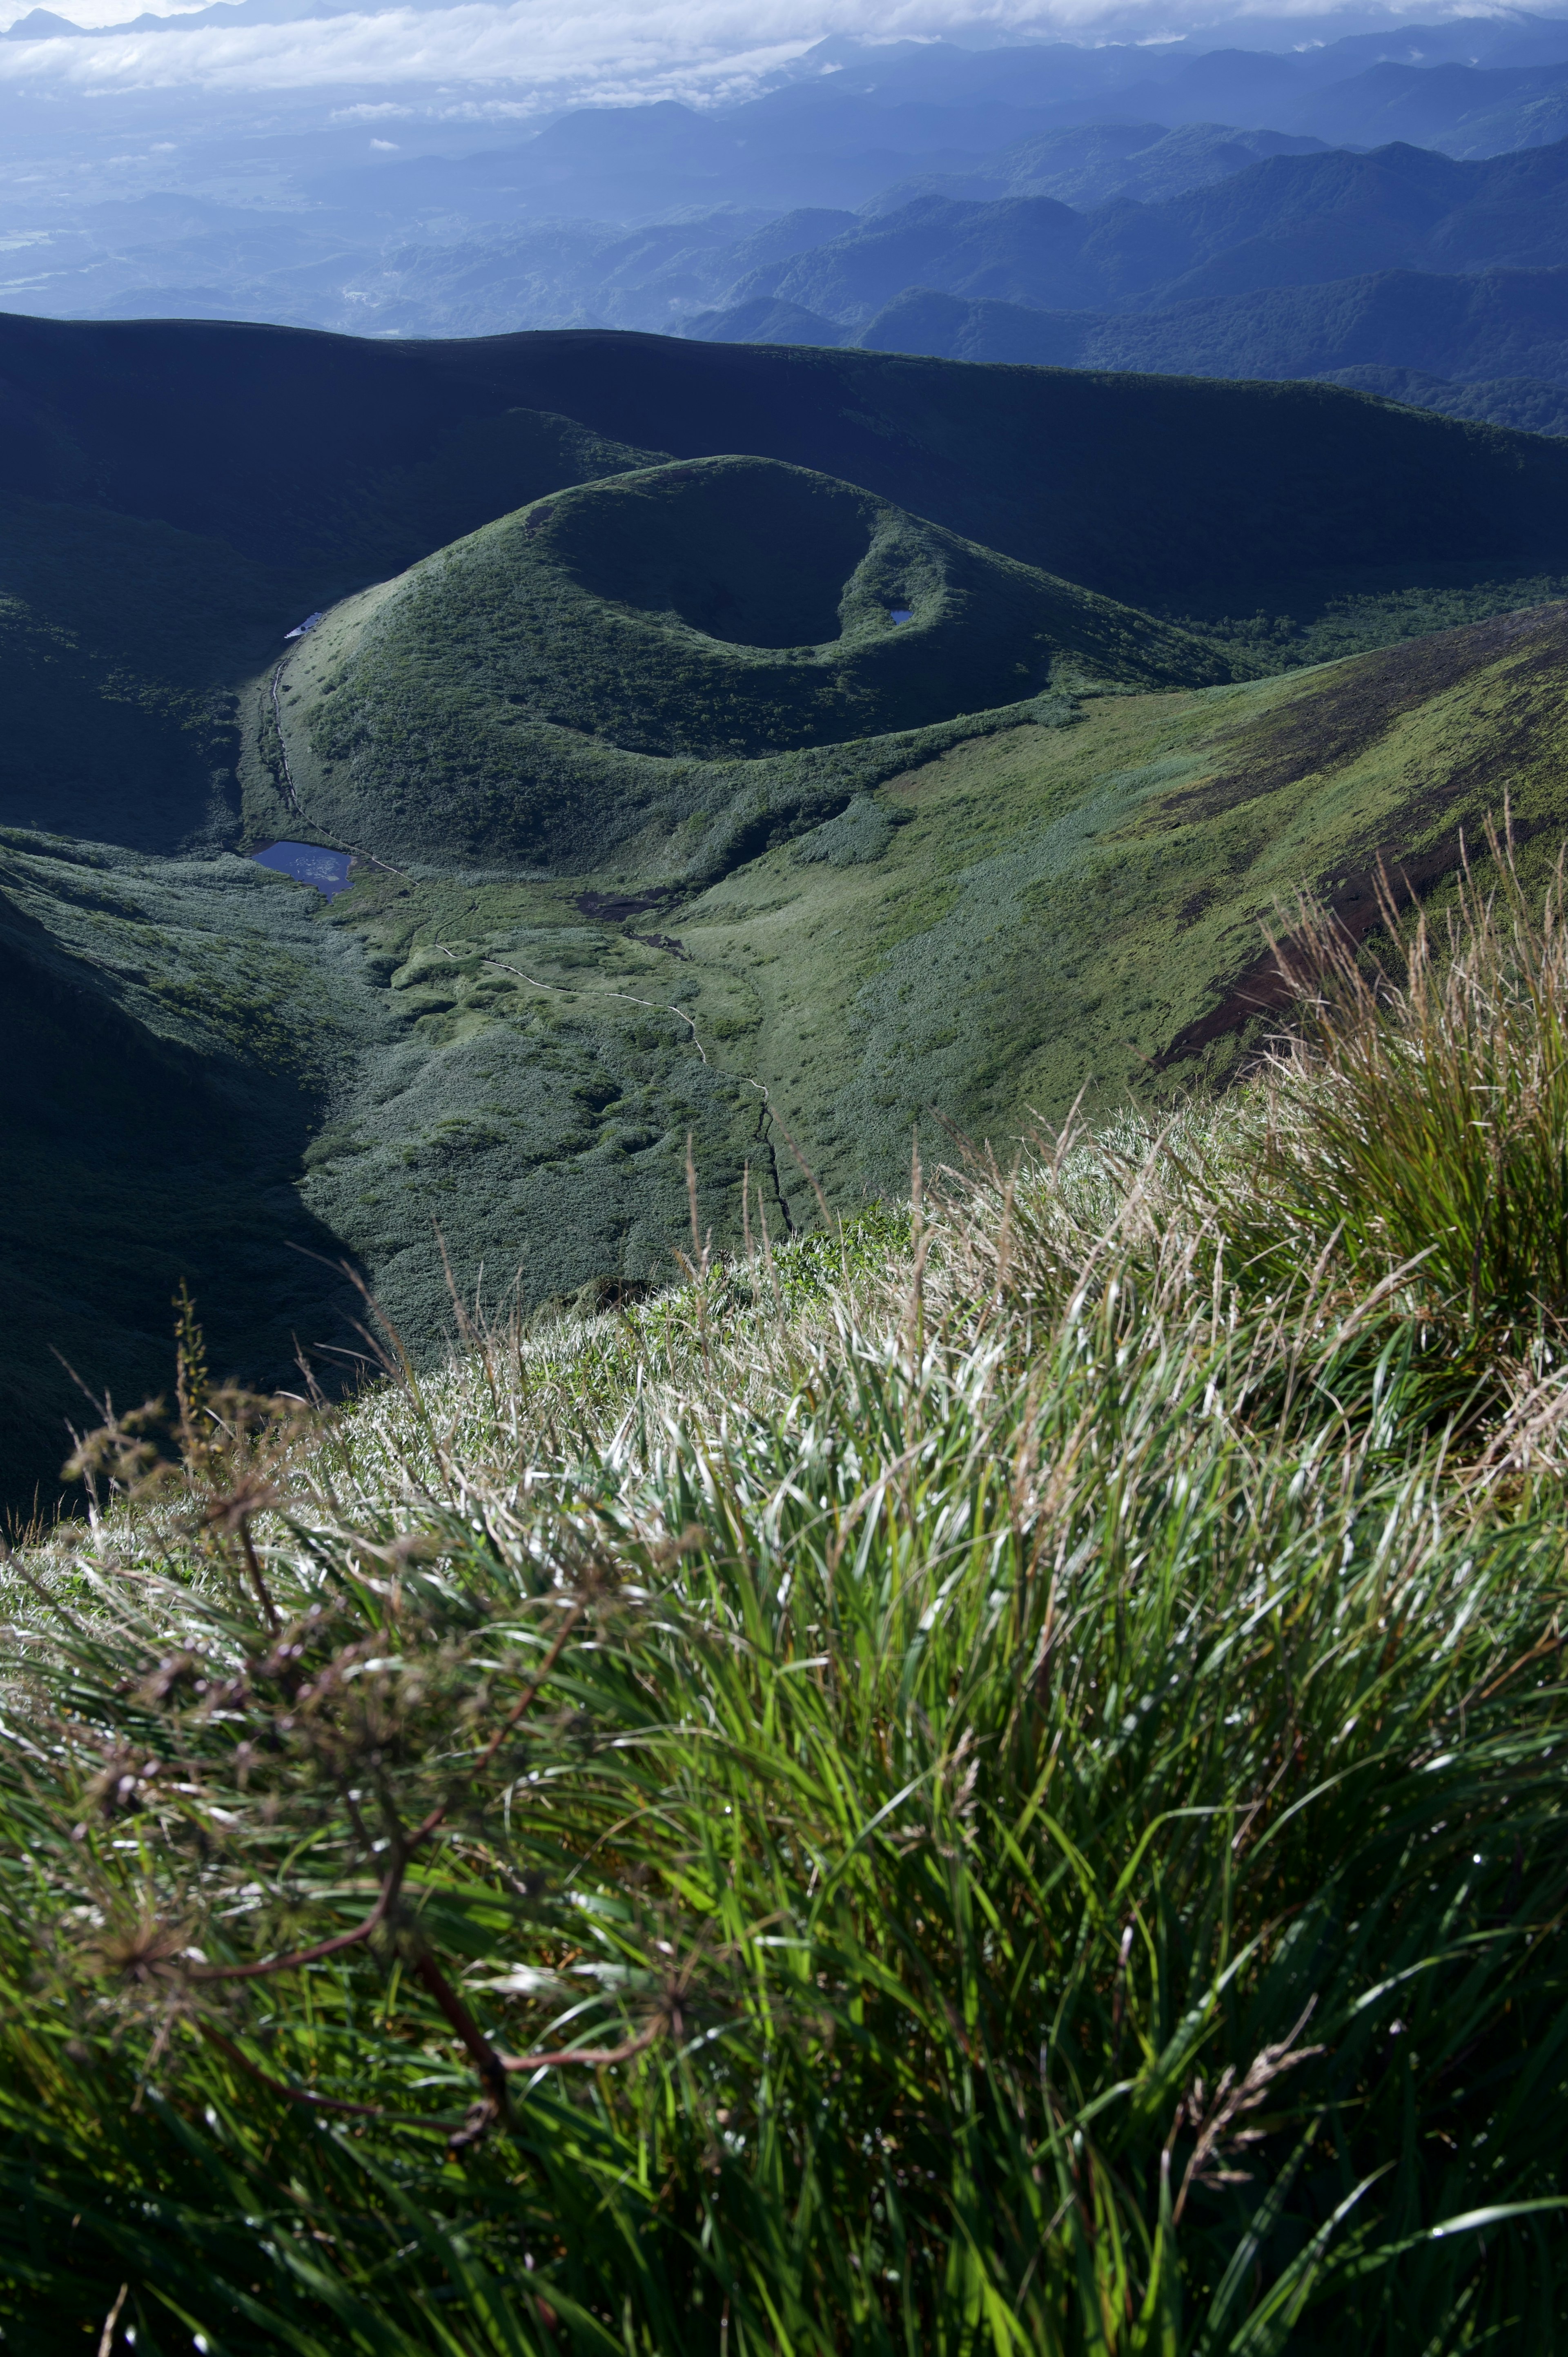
(308, 864)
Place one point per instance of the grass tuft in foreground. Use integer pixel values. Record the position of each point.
(996, 1783)
(1417, 1132)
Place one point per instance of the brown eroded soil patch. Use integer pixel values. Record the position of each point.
(1335, 722)
(1277, 978)
(1334, 726)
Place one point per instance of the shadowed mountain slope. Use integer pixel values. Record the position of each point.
(174, 1030)
(121, 641)
(345, 461)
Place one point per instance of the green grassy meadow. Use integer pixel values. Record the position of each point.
(783, 1533)
(985, 1780)
(817, 954)
(1045, 911)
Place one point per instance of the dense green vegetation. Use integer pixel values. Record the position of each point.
(1057, 903)
(584, 944)
(500, 1072)
(702, 611)
(990, 1781)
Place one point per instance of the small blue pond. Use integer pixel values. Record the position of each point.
(901, 614)
(308, 864)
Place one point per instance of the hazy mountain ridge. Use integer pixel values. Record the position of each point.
(481, 237)
(1281, 220)
(472, 271)
(1507, 322)
(1494, 348)
(1321, 218)
(1092, 166)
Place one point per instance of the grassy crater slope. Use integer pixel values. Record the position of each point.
(174, 495)
(124, 636)
(1036, 909)
(709, 611)
(981, 920)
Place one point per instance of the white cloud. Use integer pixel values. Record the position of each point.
(613, 50)
(621, 49)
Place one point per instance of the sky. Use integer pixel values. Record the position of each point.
(615, 50)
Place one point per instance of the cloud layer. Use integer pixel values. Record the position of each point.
(617, 50)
